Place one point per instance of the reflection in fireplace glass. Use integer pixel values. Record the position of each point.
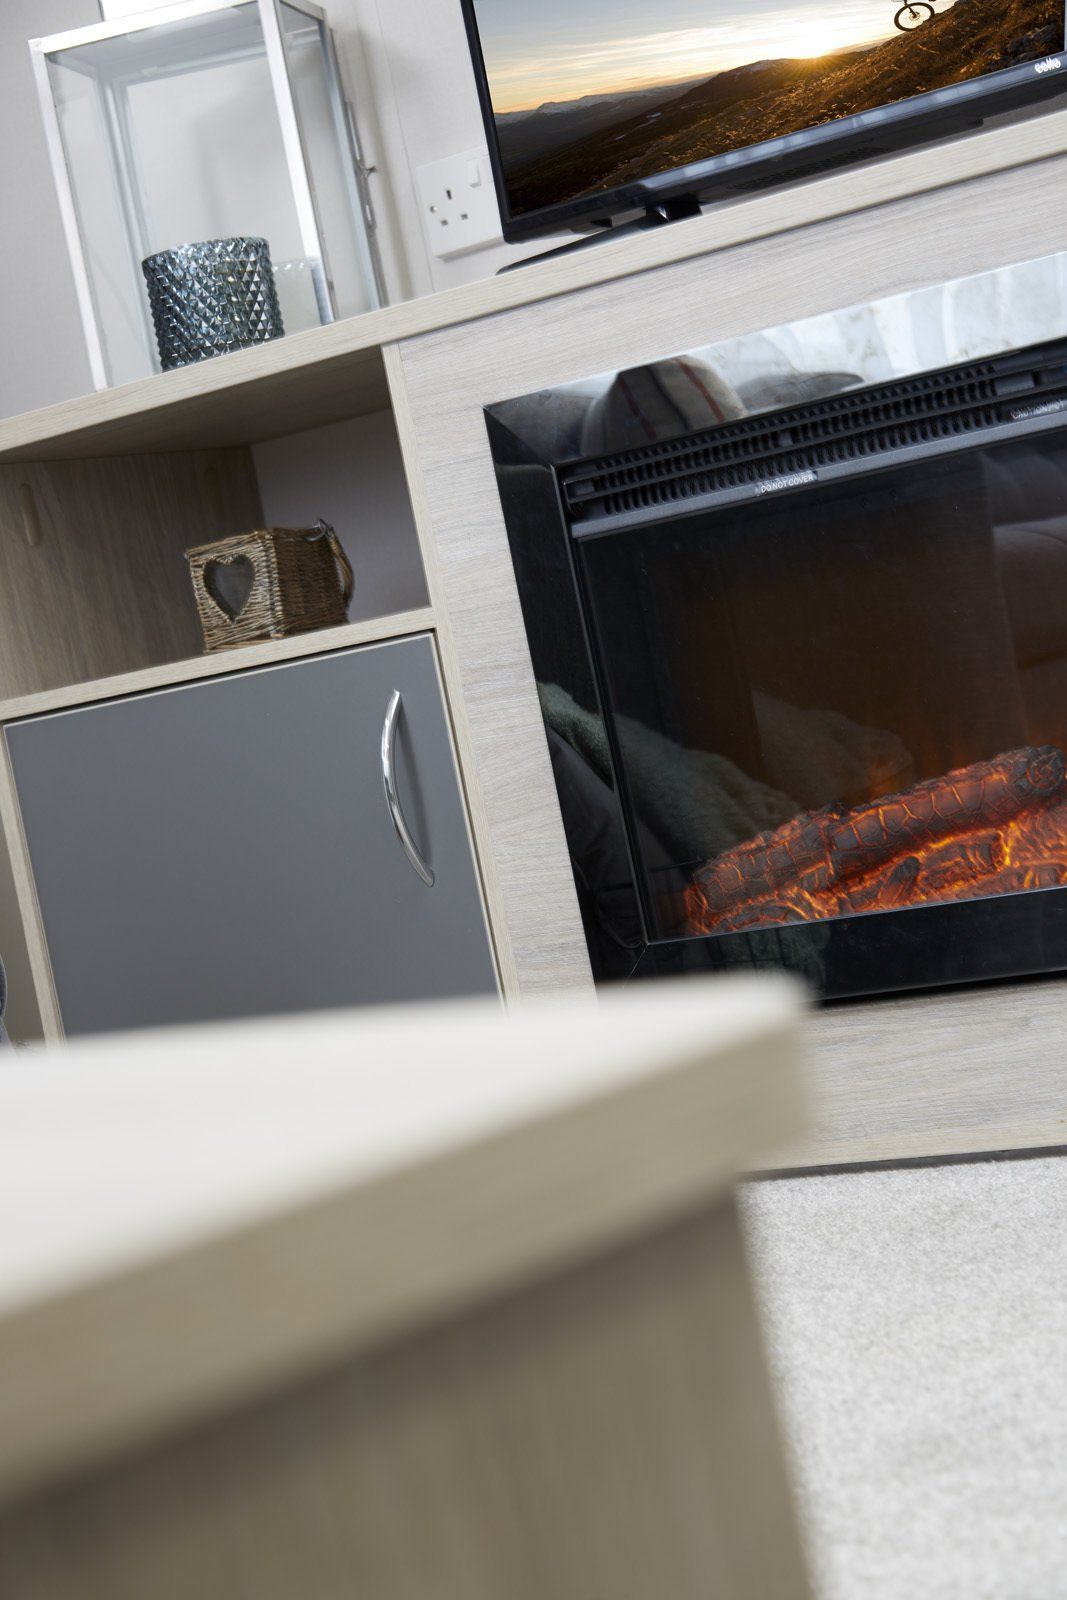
(847, 698)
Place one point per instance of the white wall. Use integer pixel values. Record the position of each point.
(351, 475)
(417, 63)
(42, 353)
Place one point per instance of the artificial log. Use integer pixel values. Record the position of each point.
(987, 794)
(995, 827)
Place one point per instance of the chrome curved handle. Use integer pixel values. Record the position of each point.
(403, 833)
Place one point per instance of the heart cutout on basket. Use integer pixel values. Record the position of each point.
(229, 583)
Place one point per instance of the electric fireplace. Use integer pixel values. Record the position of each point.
(804, 678)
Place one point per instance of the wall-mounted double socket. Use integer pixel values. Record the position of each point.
(458, 203)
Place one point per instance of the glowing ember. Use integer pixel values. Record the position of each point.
(992, 828)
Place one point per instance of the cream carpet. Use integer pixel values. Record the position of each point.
(916, 1322)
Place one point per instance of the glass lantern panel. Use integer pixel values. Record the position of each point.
(112, 266)
(172, 135)
(322, 115)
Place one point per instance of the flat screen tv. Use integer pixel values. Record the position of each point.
(596, 109)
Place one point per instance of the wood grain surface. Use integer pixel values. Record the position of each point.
(977, 1070)
(607, 1431)
(358, 1176)
(28, 906)
(93, 579)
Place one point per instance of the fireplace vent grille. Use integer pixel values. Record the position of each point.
(779, 445)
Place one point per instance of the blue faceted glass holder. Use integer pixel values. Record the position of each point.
(210, 298)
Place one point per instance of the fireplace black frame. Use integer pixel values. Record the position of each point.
(551, 506)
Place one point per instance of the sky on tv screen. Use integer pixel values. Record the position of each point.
(590, 94)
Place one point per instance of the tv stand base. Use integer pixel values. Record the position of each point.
(657, 216)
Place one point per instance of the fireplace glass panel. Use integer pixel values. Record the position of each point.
(844, 698)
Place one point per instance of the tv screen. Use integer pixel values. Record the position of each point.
(587, 99)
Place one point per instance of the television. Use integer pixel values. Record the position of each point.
(597, 110)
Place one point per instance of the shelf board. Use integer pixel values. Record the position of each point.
(266, 653)
(327, 374)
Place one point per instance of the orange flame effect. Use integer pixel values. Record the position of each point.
(996, 827)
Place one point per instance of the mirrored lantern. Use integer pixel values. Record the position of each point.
(207, 120)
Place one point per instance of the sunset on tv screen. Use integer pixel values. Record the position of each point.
(591, 95)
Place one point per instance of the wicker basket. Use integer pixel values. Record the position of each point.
(269, 583)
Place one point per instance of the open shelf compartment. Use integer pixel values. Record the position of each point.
(94, 587)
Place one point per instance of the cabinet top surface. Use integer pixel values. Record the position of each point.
(219, 663)
(332, 372)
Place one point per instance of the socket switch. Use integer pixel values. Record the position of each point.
(458, 203)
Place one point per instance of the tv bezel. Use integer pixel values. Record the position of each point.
(880, 131)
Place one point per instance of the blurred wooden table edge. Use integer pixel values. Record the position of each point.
(306, 1277)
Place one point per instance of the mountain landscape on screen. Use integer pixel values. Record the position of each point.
(565, 148)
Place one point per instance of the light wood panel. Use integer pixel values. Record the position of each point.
(265, 653)
(358, 1177)
(22, 1014)
(330, 373)
(606, 1432)
(538, 860)
(92, 575)
(29, 910)
(444, 381)
(978, 1070)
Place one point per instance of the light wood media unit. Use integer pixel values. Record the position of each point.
(96, 490)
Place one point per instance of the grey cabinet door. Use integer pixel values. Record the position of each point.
(225, 849)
